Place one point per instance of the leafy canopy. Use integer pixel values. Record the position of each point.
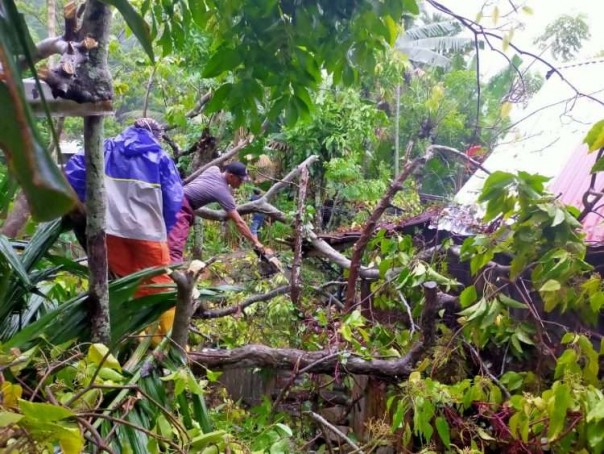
(268, 56)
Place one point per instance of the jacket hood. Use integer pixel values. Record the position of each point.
(136, 141)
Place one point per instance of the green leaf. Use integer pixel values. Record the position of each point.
(559, 218)
(484, 434)
(13, 259)
(468, 296)
(558, 406)
(442, 427)
(410, 6)
(7, 418)
(48, 193)
(224, 59)
(399, 414)
(598, 166)
(511, 303)
(523, 337)
(99, 352)
(44, 412)
(550, 286)
(137, 24)
(392, 30)
(595, 137)
(285, 429)
(217, 101)
(567, 362)
(512, 380)
(597, 413)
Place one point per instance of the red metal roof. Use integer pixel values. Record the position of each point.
(573, 181)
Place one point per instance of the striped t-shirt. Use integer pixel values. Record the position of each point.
(210, 186)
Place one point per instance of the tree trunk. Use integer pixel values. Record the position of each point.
(94, 80)
(96, 202)
(17, 217)
(299, 222)
(51, 6)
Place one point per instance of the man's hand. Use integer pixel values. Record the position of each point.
(263, 250)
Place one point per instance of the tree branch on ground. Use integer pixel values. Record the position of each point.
(367, 233)
(321, 420)
(325, 361)
(239, 308)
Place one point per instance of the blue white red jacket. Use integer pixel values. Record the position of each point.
(144, 190)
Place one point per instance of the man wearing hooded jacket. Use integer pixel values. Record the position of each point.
(144, 194)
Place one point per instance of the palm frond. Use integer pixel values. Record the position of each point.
(426, 57)
(435, 29)
(10, 257)
(71, 320)
(439, 44)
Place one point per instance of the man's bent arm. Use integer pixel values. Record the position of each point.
(244, 229)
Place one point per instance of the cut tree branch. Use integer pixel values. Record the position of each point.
(367, 233)
(296, 289)
(217, 313)
(185, 284)
(253, 355)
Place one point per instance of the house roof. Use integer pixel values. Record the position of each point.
(547, 137)
(549, 129)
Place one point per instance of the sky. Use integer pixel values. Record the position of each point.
(549, 131)
(543, 13)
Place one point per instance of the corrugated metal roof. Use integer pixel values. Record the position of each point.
(573, 181)
(549, 129)
(547, 138)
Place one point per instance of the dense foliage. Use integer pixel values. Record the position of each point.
(505, 356)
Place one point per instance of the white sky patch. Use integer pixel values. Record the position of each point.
(552, 126)
(532, 25)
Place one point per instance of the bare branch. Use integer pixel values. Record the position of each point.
(367, 232)
(228, 154)
(255, 355)
(478, 29)
(320, 419)
(241, 306)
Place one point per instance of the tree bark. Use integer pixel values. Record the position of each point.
(93, 83)
(84, 75)
(17, 217)
(359, 247)
(98, 299)
(296, 290)
(325, 361)
(185, 285)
